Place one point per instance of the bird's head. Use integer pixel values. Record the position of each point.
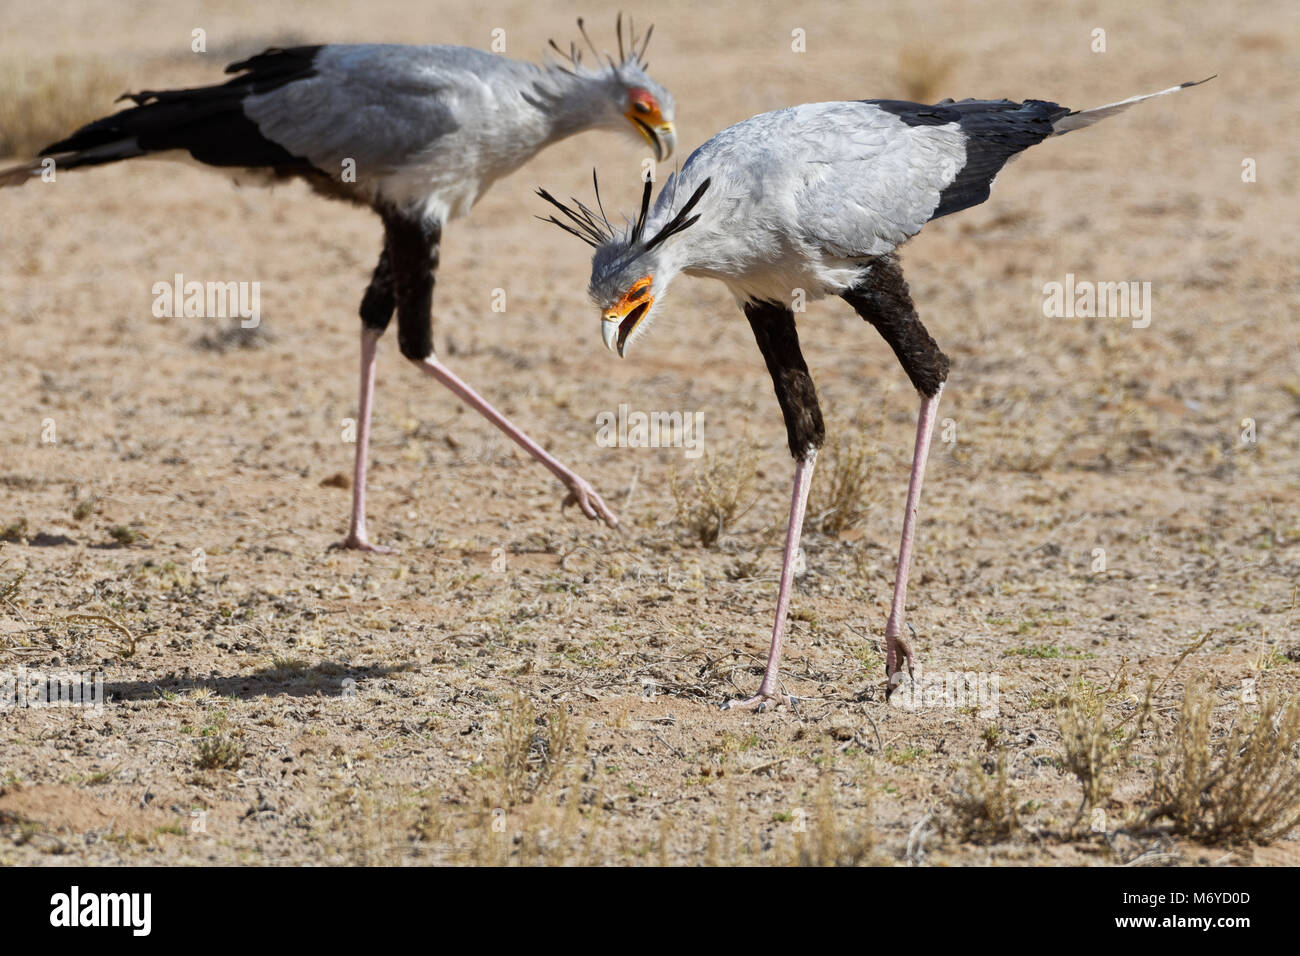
(630, 270)
(636, 102)
(648, 107)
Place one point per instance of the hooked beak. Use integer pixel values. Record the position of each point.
(621, 320)
(660, 133)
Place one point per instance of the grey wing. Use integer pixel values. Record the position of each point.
(379, 105)
(868, 181)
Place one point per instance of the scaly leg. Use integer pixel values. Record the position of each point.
(894, 643)
(357, 537)
(580, 492)
(768, 690)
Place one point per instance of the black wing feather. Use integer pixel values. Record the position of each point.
(995, 131)
(207, 121)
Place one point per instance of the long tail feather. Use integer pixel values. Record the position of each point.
(109, 152)
(208, 122)
(1081, 118)
(17, 175)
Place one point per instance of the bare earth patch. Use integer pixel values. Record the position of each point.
(519, 685)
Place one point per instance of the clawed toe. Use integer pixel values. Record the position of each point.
(898, 653)
(759, 703)
(590, 504)
(356, 543)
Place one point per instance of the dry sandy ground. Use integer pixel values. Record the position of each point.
(291, 703)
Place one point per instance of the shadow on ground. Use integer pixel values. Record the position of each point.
(321, 680)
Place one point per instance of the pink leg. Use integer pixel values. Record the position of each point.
(579, 491)
(896, 649)
(767, 691)
(357, 527)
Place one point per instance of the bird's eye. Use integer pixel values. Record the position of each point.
(641, 107)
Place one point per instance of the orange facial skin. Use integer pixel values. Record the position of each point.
(627, 313)
(638, 293)
(643, 107)
(644, 112)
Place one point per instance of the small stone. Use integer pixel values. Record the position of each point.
(842, 727)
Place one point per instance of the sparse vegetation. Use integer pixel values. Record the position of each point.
(836, 837)
(9, 589)
(1048, 652)
(904, 755)
(983, 807)
(1094, 744)
(125, 649)
(718, 492)
(1241, 786)
(840, 495)
(289, 666)
(535, 750)
(218, 746)
(124, 535)
(83, 508)
(219, 752)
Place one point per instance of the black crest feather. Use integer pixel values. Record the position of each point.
(631, 48)
(679, 221)
(595, 229)
(583, 222)
(639, 228)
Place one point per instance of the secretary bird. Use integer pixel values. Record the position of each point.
(417, 133)
(817, 198)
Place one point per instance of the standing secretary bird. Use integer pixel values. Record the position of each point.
(817, 198)
(418, 133)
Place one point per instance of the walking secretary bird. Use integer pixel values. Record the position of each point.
(817, 198)
(417, 133)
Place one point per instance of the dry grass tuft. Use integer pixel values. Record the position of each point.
(1093, 747)
(218, 745)
(719, 492)
(1244, 787)
(46, 100)
(220, 752)
(535, 750)
(9, 589)
(841, 492)
(983, 808)
(833, 840)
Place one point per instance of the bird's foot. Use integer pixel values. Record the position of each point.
(897, 653)
(760, 702)
(359, 542)
(585, 497)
